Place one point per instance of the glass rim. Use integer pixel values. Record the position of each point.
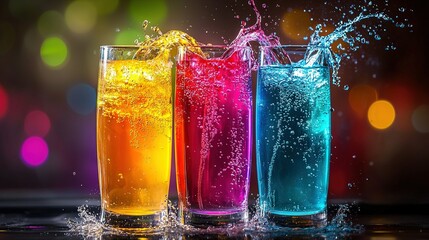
(119, 46)
(292, 46)
(204, 46)
(215, 46)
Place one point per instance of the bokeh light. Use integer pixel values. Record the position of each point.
(420, 119)
(82, 98)
(153, 11)
(381, 114)
(37, 123)
(81, 16)
(360, 98)
(4, 102)
(127, 36)
(34, 151)
(7, 38)
(295, 24)
(54, 52)
(105, 7)
(50, 23)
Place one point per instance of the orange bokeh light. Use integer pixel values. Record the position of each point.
(381, 114)
(295, 24)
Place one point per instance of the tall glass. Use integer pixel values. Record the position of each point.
(213, 115)
(293, 132)
(134, 135)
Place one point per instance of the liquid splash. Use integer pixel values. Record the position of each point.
(340, 225)
(166, 43)
(320, 47)
(88, 226)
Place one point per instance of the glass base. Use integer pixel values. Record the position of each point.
(212, 220)
(148, 223)
(317, 220)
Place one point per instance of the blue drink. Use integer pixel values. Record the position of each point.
(293, 124)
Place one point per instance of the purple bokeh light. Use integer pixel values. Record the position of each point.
(34, 151)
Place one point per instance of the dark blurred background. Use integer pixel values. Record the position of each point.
(49, 54)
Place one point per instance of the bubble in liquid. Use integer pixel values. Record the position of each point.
(346, 87)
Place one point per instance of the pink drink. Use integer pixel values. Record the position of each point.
(213, 134)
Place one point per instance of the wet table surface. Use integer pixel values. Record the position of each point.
(48, 219)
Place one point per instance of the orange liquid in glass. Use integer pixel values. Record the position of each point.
(134, 135)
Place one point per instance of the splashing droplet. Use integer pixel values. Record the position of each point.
(144, 24)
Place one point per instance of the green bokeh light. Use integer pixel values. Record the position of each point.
(105, 7)
(50, 22)
(127, 37)
(151, 10)
(53, 52)
(81, 16)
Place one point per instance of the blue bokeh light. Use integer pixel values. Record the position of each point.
(82, 98)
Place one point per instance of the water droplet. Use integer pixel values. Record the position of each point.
(264, 5)
(74, 173)
(144, 24)
(346, 87)
(349, 185)
(401, 9)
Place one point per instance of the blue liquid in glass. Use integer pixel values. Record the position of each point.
(293, 132)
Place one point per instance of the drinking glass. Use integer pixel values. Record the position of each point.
(213, 116)
(293, 134)
(134, 135)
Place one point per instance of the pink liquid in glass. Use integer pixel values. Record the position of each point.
(213, 131)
